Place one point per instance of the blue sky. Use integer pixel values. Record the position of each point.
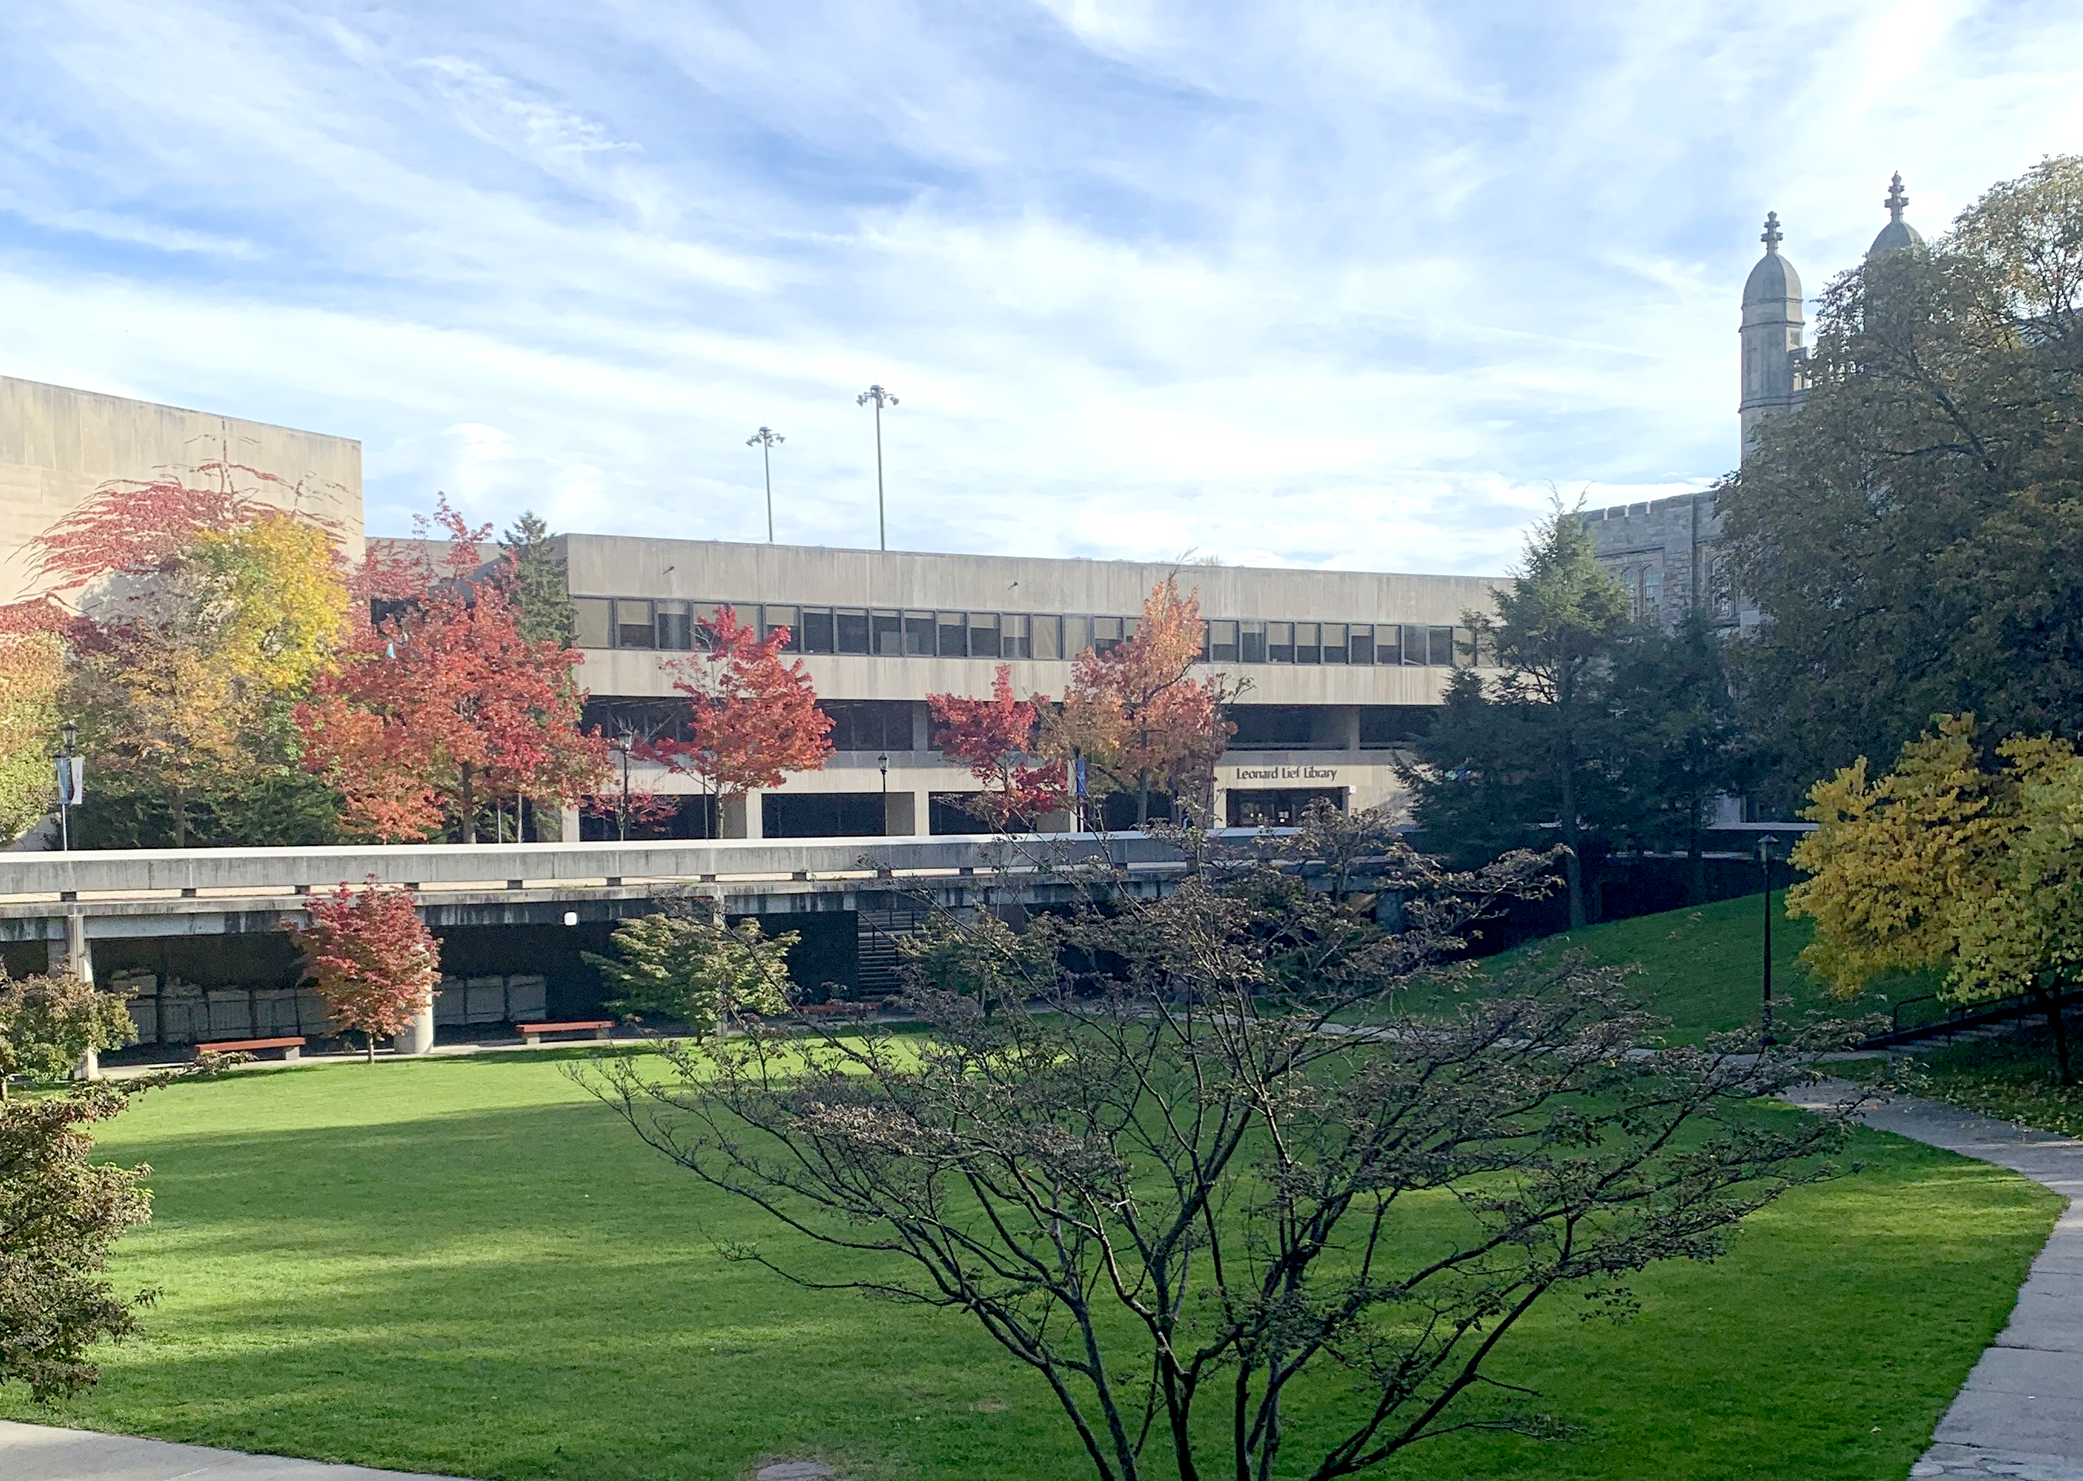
(1307, 283)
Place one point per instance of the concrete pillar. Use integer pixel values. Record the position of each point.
(417, 1037)
(742, 817)
(900, 814)
(79, 956)
(89, 1067)
(568, 826)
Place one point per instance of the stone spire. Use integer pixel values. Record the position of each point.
(1773, 359)
(1897, 233)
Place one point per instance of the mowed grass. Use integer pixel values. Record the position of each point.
(1701, 967)
(468, 1266)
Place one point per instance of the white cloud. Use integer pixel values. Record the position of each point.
(1327, 284)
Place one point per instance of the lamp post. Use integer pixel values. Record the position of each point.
(68, 787)
(765, 439)
(883, 763)
(1765, 843)
(621, 746)
(881, 398)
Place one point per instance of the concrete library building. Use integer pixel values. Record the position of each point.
(1335, 669)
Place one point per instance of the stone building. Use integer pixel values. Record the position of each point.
(1663, 550)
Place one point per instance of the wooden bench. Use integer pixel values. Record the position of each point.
(291, 1047)
(531, 1033)
(837, 1008)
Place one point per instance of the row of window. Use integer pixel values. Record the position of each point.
(622, 622)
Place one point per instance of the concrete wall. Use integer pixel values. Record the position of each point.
(57, 445)
(714, 570)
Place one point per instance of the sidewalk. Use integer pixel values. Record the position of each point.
(2020, 1413)
(34, 1452)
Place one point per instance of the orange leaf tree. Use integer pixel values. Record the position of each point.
(371, 957)
(1137, 716)
(443, 705)
(753, 715)
(997, 739)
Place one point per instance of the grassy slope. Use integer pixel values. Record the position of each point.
(465, 1266)
(1703, 968)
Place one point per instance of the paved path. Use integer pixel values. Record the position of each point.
(34, 1452)
(2020, 1413)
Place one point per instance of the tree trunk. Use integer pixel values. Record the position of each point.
(1573, 865)
(1696, 888)
(2057, 1029)
(369, 1045)
(466, 797)
(180, 811)
(1142, 799)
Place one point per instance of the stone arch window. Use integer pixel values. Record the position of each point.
(1652, 591)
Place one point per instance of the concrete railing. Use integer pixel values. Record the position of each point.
(536, 865)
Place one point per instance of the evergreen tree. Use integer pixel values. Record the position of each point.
(1681, 737)
(1541, 748)
(539, 582)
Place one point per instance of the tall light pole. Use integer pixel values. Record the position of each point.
(881, 398)
(621, 746)
(68, 787)
(764, 439)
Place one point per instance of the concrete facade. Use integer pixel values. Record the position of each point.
(57, 445)
(655, 593)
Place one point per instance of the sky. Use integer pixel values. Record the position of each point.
(1310, 284)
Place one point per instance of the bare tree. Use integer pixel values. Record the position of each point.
(1176, 1184)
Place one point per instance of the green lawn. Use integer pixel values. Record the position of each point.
(1703, 968)
(467, 1266)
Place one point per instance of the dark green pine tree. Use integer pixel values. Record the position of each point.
(1538, 753)
(540, 584)
(1682, 740)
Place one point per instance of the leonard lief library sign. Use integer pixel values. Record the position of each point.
(1286, 773)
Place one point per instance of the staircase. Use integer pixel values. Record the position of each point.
(878, 928)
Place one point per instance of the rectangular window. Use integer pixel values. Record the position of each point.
(1106, 634)
(852, 625)
(1251, 642)
(1077, 635)
(595, 627)
(886, 634)
(791, 618)
(1280, 642)
(1013, 638)
(1334, 642)
(818, 632)
(918, 634)
(983, 635)
(1307, 649)
(1222, 642)
(1464, 644)
(675, 627)
(1442, 647)
(1413, 645)
(1362, 643)
(954, 635)
(633, 625)
(1388, 643)
(1048, 636)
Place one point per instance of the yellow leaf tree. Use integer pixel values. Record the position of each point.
(2025, 935)
(32, 665)
(1893, 858)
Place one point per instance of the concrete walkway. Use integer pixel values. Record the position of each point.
(2020, 1413)
(34, 1452)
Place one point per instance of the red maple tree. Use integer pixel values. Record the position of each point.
(135, 527)
(753, 715)
(371, 957)
(443, 705)
(996, 739)
(1138, 717)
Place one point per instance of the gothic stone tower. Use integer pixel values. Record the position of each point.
(1774, 372)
